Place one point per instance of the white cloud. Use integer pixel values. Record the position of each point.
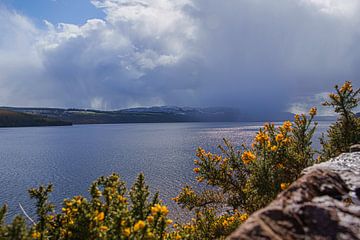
(347, 8)
(304, 104)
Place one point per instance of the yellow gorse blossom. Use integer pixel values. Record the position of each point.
(157, 208)
(244, 216)
(283, 186)
(248, 157)
(36, 235)
(164, 210)
(104, 228)
(200, 179)
(334, 96)
(139, 225)
(313, 111)
(274, 148)
(280, 165)
(261, 137)
(150, 235)
(121, 199)
(150, 219)
(287, 125)
(225, 223)
(126, 232)
(346, 87)
(100, 216)
(279, 137)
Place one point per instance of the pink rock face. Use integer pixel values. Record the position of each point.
(322, 204)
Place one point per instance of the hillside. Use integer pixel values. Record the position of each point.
(149, 115)
(16, 119)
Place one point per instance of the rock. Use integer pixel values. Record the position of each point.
(355, 148)
(316, 206)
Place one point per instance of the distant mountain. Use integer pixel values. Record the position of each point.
(358, 115)
(17, 119)
(136, 115)
(151, 115)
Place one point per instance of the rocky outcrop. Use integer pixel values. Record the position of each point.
(323, 204)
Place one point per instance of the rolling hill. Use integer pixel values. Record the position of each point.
(10, 118)
(149, 115)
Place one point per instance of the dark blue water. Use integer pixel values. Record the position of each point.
(72, 157)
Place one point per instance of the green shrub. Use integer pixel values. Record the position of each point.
(346, 130)
(245, 180)
(108, 214)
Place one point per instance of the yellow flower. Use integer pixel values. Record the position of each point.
(103, 228)
(297, 117)
(279, 137)
(248, 157)
(126, 232)
(196, 170)
(150, 235)
(286, 141)
(287, 125)
(346, 87)
(283, 186)
(155, 209)
(274, 148)
(177, 237)
(261, 137)
(100, 216)
(122, 199)
(313, 111)
(150, 219)
(244, 216)
(225, 223)
(169, 221)
(200, 179)
(36, 235)
(139, 225)
(334, 96)
(280, 165)
(164, 210)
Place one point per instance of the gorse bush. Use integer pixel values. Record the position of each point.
(245, 180)
(236, 182)
(346, 131)
(108, 214)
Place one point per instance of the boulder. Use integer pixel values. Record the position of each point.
(322, 204)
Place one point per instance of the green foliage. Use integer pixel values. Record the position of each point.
(207, 224)
(106, 215)
(346, 130)
(245, 180)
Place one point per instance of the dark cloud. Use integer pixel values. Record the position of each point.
(263, 56)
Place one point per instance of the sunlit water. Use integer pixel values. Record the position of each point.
(72, 157)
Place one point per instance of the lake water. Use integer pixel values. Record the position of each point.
(72, 157)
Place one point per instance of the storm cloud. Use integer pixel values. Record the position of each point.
(256, 55)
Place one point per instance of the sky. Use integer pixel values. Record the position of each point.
(255, 55)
